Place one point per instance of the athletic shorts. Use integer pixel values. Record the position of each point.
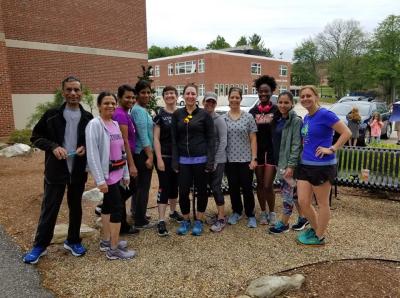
(316, 175)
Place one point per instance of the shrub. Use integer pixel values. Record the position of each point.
(21, 136)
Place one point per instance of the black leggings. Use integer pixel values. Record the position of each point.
(240, 177)
(168, 183)
(112, 203)
(189, 175)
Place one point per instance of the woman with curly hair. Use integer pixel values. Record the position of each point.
(263, 114)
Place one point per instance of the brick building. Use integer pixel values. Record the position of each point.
(104, 43)
(218, 70)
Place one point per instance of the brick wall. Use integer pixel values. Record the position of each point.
(6, 112)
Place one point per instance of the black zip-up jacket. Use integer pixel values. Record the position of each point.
(194, 138)
(48, 134)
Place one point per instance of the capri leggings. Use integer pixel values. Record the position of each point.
(112, 203)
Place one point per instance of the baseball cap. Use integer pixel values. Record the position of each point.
(210, 95)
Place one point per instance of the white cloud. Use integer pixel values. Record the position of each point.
(282, 24)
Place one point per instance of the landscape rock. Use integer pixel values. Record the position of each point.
(3, 145)
(99, 223)
(15, 150)
(272, 285)
(61, 231)
(93, 195)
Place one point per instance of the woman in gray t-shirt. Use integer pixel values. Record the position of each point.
(242, 158)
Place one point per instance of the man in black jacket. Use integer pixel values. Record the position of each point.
(61, 134)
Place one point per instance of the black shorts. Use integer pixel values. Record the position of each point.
(316, 175)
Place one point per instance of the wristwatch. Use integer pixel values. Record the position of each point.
(332, 149)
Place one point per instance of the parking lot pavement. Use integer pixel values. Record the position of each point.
(16, 278)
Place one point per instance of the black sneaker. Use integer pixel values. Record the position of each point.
(176, 216)
(131, 230)
(300, 224)
(146, 225)
(162, 229)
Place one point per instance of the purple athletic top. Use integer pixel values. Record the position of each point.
(123, 118)
(116, 149)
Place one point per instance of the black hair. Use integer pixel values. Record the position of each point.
(70, 79)
(235, 89)
(288, 93)
(104, 94)
(142, 84)
(270, 81)
(190, 85)
(123, 88)
(169, 88)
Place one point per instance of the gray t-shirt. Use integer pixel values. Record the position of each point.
(72, 117)
(239, 148)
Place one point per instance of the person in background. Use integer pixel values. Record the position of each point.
(60, 132)
(241, 154)
(193, 153)
(215, 177)
(317, 169)
(263, 113)
(107, 163)
(126, 99)
(376, 125)
(287, 148)
(353, 122)
(143, 156)
(397, 128)
(168, 179)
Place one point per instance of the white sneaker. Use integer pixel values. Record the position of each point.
(119, 254)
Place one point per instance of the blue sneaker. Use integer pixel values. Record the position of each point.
(234, 218)
(184, 227)
(311, 241)
(301, 223)
(77, 249)
(197, 228)
(309, 233)
(279, 228)
(33, 256)
(252, 222)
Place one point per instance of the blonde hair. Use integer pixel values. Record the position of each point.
(313, 90)
(355, 114)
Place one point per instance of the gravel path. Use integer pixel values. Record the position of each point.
(16, 278)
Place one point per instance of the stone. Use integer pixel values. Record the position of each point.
(61, 232)
(93, 195)
(243, 296)
(15, 150)
(3, 145)
(272, 285)
(99, 223)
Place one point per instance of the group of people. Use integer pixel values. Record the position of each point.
(190, 147)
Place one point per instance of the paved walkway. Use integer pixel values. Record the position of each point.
(16, 278)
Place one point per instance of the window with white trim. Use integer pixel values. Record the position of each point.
(246, 89)
(179, 88)
(201, 65)
(201, 90)
(151, 71)
(186, 67)
(159, 90)
(283, 70)
(253, 90)
(255, 68)
(282, 88)
(157, 71)
(170, 69)
(216, 88)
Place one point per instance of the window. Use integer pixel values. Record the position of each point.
(170, 69)
(201, 65)
(282, 88)
(246, 89)
(151, 71)
(221, 89)
(185, 67)
(159, 90)
(226, 89)
(253, 90)
(201, 90)
(157, 70)
(283, 70)
(256, 68)
(179, 88)
(216, 88)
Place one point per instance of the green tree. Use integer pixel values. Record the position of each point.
(305, 63)
(158, 52)
(384, 55)
(241, 42)
(256, 42)
(339, 43)
(88, 98)
(218, 43)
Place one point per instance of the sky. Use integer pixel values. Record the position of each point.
(282, 24)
